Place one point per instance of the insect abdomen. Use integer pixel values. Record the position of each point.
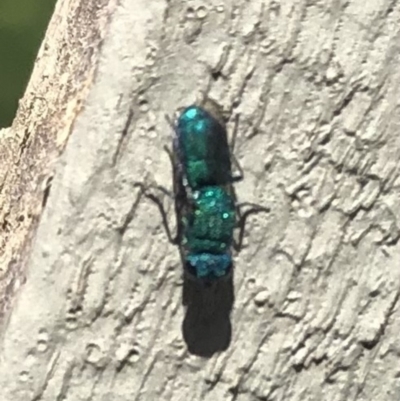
(209, 231)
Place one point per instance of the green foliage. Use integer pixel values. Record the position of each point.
(22, 27)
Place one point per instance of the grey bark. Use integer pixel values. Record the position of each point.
(316, 313)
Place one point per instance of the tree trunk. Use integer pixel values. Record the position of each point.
(103, 313)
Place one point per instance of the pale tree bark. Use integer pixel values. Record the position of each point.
(94, 306)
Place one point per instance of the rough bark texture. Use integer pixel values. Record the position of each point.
(60, 81)
(316, 313)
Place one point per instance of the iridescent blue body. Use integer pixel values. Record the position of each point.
(205, 202)
(206, 207)
(202, 148)
(208, 226)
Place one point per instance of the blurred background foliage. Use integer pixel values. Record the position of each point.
(23, 24)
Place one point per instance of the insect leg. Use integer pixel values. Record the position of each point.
(232, 144)
(147, 190)
(253, 209)
(179, 189)
(121, 229)
(144, 189)
(169, 121)
(240, 176)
